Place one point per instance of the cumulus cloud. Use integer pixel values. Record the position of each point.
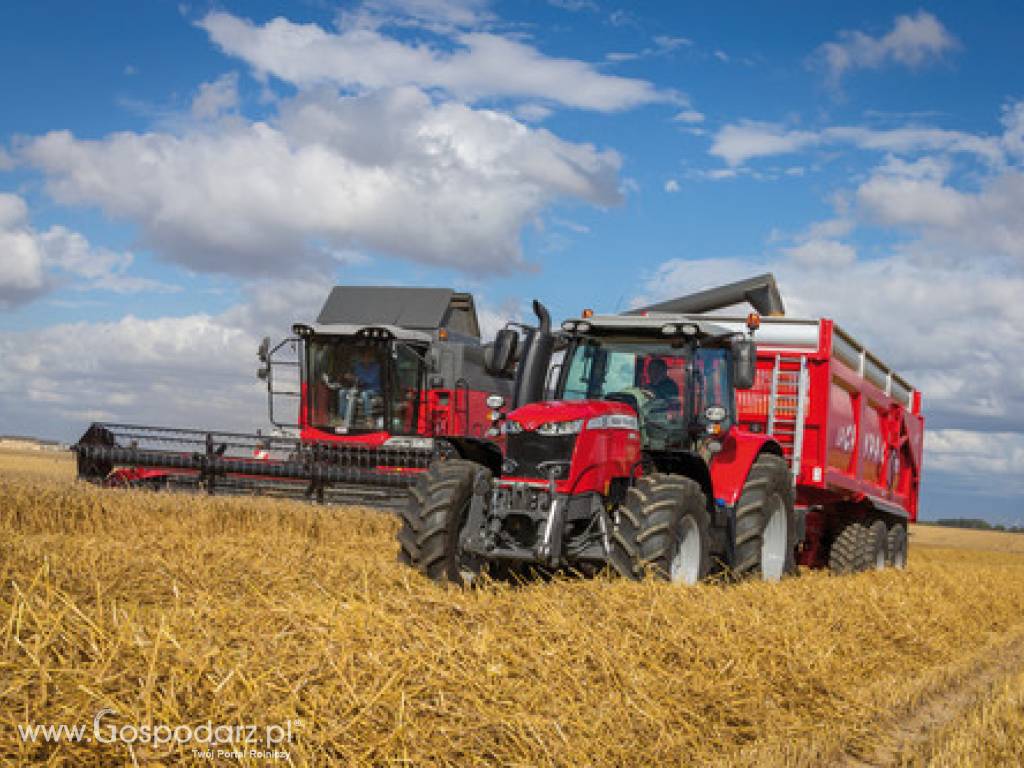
(912, 42)
(390, 171)
(33, 261)
(482, 65)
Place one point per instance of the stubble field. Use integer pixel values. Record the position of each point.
(178, 611)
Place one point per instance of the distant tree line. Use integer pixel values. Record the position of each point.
(972, 522)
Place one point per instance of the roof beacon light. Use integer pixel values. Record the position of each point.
(587, 313)
(753, 321)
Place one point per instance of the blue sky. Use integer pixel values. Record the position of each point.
(177, 179)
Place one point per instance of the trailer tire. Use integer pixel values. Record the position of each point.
(848, 551)
(876, 546)
(766, 521)
(896, 547)
(428, 539)
(662, 529)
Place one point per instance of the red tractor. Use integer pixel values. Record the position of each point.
(668, 443)
(634, 461)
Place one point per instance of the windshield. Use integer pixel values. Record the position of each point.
(653, 378)
(362, 386)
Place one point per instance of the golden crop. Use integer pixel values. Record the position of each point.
(179, 609)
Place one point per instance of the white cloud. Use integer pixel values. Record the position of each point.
(970, 455)
(917, 196)
(736, 143)
(453, 13)
(216, 98)
(483, 66)
(822, 253)
(689, 116)
(533, 113)
(671, 185)
(32, 261)
(912, 42)
(390, 171)
(6, 161)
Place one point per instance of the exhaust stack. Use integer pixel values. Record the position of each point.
(533, 365)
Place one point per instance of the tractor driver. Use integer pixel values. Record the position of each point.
(659, 384)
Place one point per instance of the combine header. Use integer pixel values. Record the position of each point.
(386, 379)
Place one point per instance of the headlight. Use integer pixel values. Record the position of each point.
(554, 428)
(614, 421)
(511, 427)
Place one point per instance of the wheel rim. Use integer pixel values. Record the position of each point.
(774, 540)
(685, 566)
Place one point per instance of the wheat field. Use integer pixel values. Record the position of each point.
(174, 610)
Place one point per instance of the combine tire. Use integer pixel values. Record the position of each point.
(848, 553)
(876, 546)
(896, 548)
(438, 504)
(662, 528)
(766, 522)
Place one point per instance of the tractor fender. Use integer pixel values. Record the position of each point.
(480, 450)
(731, 465)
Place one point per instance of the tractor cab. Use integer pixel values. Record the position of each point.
(678, 378)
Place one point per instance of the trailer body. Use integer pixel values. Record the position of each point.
(850, 426)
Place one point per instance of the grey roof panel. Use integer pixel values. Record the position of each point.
(419, 308)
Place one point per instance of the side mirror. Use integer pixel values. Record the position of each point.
(744, 363)
(264, 351)
(500, 356)
(263, 372)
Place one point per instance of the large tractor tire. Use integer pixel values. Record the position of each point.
(663, 529)
(876, 546)
(848, 553)
(896, 546)
(766, 522)
(438, 505)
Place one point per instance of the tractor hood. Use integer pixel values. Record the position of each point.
(533, 415)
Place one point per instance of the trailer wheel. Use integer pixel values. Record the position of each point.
(431, 521)
(662, 526)
(876, 546)
(896, 547)
(848, 551)
(766, 521)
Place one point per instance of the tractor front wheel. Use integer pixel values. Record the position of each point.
(662, 528)
(433, 518)
(766, 521)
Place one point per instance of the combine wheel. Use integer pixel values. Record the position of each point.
(848, 553)
(437, 509)
(766, 522)
(896, 548)
(876, 546)
(663, 527)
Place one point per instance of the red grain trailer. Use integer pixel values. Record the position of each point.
(851, 429)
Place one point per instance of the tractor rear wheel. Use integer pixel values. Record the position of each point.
(433, 518)
(896, 548)
(663, 528)
(876, 546)
(766, 521)
(848, 551)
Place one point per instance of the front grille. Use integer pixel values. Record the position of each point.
(528, 450)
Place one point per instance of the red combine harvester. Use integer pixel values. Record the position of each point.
(672, 444)
(385, 378)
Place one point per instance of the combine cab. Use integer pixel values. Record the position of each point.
(385, 379)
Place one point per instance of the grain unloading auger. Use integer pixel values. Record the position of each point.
(386, 379)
